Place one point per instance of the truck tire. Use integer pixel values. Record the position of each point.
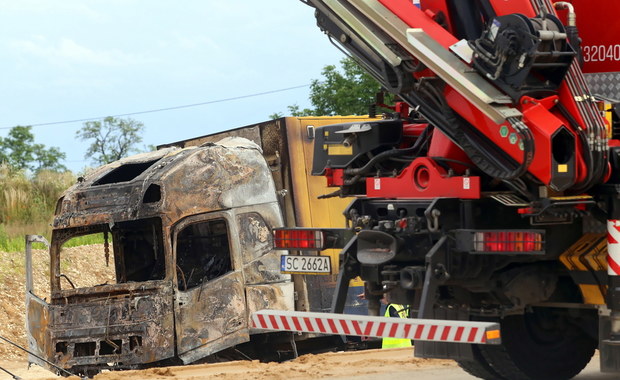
(546, 344)
(479, 367)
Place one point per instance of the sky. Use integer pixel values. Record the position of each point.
(67, 60)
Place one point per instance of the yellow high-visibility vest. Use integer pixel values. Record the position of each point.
(402, 312)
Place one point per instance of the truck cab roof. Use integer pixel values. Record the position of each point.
(229, 173)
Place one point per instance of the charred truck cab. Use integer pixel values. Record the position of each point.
(181, 285)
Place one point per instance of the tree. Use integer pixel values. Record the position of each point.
(348, 91)
(112, 138)
(293, 111)
(48, 159)
(20, 152)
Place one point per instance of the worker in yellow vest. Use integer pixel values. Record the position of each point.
(396, 311)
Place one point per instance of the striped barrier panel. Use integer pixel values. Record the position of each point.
(434, 330)
(613, 247)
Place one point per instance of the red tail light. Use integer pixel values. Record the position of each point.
(302, 239)
(508, 241)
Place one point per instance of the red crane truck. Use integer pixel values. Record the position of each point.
(491, 195)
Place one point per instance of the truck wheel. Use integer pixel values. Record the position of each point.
(479, 367)
(546, 344)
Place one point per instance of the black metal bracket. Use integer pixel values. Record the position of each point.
(436, 274)
(349, 268)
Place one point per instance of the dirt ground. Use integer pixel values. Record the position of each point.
(339, 365)
(84, 265)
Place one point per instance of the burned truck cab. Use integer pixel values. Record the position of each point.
(187, 239)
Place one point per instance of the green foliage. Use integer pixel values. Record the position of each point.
(19, 151)
(345, 91)
(15, 241)
(293, 111)
(10, 244)
(276, 115)
(111, 138)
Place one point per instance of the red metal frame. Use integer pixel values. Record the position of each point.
(423, 179)
(335, 177)
(547, 118)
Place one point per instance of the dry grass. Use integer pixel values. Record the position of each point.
(27, 204)
(28, 199)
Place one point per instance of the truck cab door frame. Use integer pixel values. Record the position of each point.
(37, 311)
(210, 302)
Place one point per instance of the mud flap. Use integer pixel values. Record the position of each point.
(435, 260)
(441, 350)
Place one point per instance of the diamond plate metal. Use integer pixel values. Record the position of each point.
(604, 84)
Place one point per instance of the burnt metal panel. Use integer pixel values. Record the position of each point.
(250, 132)
(255, 237)
(265, 269)
(208, 313)
(230, 173)
(37, 311)
(218, 177)
(129, 326)
(230, 340)
(278, 296)
(260, 261)
(37, 329)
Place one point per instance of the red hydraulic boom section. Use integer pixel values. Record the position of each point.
(543, 117)
(539, 119)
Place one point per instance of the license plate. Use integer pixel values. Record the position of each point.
(305, 264)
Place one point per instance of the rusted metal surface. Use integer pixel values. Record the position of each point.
(261, 264)
(255, 237)
(252, 133)
(37, 326)
(273, 296)
(37, 311)
(209, 313)
(165, 211)
(125, 329)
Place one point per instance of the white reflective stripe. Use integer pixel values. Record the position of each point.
(374, 330)
(289, 321)
(350, 328)
(465, 335)
(313, 325)
(439, 332)
(452, 334)
(426, 332)
(339, 329)
(381, 327)
(480, 336)
(274, 323)
(303, 325)
(400, 332)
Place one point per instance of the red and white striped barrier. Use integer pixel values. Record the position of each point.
(613, 247)
(434, 330)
